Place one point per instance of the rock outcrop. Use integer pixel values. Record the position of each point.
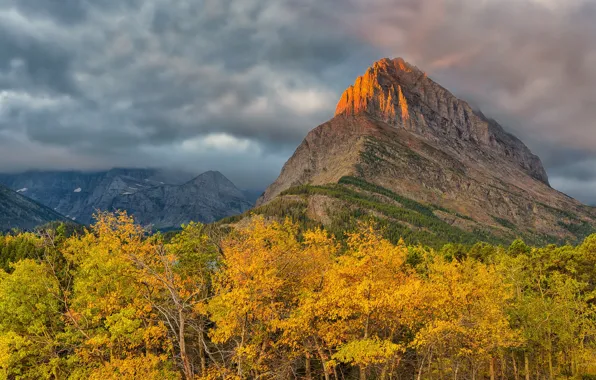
(399, 130)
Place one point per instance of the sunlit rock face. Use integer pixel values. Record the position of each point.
(378, 92)
(398, 129)
(399, 94)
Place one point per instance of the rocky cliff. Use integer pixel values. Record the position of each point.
(398, 130)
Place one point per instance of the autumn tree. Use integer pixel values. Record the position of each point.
(466, 325)
(118, 328)
(177, 283)
(253, 293)
(30, 322)
(360, 314)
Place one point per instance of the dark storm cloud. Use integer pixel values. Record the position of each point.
(67, 11)
(236, 84)
(28, 61)
(107, 79)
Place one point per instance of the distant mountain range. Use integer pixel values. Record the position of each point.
(160, 198)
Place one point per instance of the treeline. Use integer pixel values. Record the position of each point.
(270, 301)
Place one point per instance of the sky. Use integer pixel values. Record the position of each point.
(235, 85)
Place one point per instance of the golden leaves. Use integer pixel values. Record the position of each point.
(273, 300)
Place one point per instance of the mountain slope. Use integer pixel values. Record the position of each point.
(17, 211)
(398, 130)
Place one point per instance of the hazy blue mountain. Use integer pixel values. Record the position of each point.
(206, 198)
(142, 192)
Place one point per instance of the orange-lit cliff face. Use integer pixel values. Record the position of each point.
(378, 92)
(389, 89)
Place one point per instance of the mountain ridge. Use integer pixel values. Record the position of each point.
(19, 212)
(209, 197)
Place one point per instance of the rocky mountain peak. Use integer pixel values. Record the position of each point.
(399, 94)
(211, 175)
(401, 144)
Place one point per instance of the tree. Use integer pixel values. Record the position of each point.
(177, 280)
(108, 313)
(364, 306)
(258, 278)
(467, 323)
(30, 322)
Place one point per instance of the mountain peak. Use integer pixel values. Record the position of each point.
(211, 176)
(400, 143)
(397, 93)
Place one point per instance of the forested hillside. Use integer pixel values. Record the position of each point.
(272, 301)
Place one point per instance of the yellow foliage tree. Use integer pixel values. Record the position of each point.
(107, 309)
(466, 324)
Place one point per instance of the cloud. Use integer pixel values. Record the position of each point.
(118, 79)
(237, 84)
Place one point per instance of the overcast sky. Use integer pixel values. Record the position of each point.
(235, 85)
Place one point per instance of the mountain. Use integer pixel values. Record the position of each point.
(143, 192)
(207, 198)
(17, 211)
(408, 152)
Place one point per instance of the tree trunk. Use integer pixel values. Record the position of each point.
(243, 337)
(502, 366)
(323, 362)
(182, 343)
(362, 373)
(492, 368)
(335, 369)
(419, 377)
(526, 366)
(515, 371)
(384, 372)
(202, 353)
(202, 356)
(550, 365)
(307, 368)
